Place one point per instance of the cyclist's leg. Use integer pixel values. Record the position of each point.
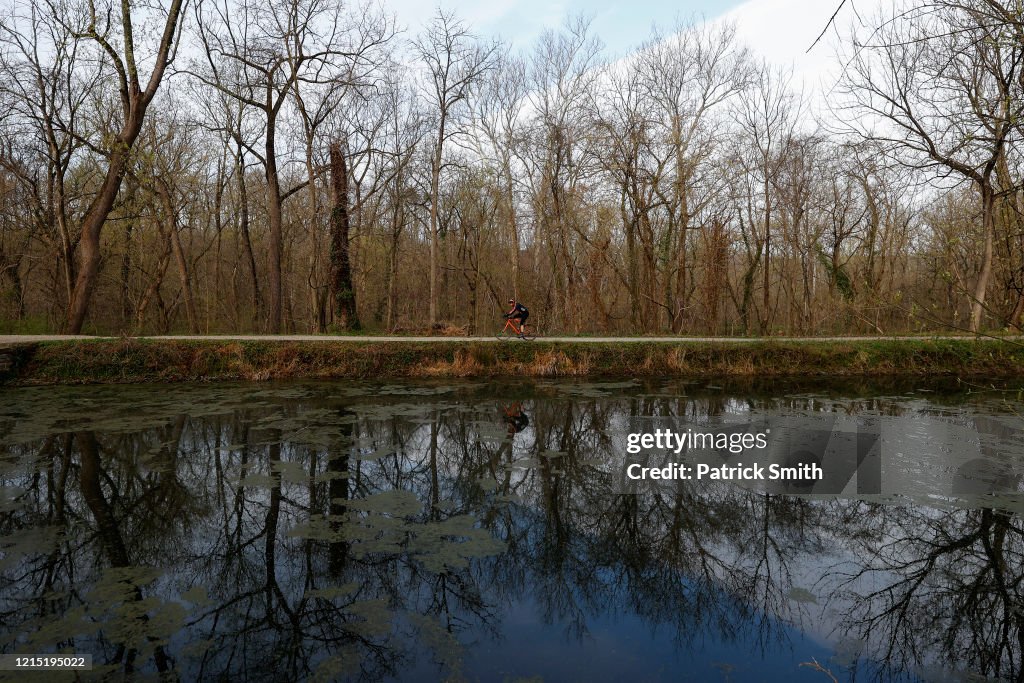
(522, 323)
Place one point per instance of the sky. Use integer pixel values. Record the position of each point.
(779, 30)
(621, 24)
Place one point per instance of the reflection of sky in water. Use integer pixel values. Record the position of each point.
(387, 502)
(623, 647)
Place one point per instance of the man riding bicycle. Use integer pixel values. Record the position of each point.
(518, 312)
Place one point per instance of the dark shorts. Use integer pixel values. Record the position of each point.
(518, 422)
(521, 317)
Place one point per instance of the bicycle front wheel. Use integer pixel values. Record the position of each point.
(504, 335)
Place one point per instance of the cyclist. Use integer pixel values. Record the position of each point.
(516, 419)
(518, 312)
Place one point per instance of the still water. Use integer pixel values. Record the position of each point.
(471, 531)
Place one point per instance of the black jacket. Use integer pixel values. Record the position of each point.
(519, 309)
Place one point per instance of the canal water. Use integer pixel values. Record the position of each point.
(477, 531)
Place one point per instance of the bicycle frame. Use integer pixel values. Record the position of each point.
(510, 323)
(511, 329)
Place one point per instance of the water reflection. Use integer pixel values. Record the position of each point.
(470, 532)
(515, 417)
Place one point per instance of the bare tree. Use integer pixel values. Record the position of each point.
(257, 54)
(564, 72)
(498, 115)
(689, 75)
(636, 167)
(455, 61)
(112, 27)
(46, 84)
(238, 131)
(678, 188)
(172, 161)
(767, 117)
(406, 128)
(941, 87)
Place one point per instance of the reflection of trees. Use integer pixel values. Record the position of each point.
(109, 537)
(278, 574)
(345, 537)
(685, 559)
(940, 588)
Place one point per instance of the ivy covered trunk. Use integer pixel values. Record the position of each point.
(345, 314)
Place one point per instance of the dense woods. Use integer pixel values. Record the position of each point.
(314, 166)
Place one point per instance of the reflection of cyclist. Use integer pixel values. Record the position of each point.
(518, 312)
(516, 419)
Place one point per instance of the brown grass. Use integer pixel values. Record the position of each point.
(463, 365)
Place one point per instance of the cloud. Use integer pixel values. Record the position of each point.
(782, 31)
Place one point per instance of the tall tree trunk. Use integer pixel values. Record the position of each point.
(218, 226)
(171, 218)
(981, 289)
(678, 316)
(9, 270)
(126, 260)
(126, 266)
(715, 275)
(274, 220)
(766, 313)
(513, 227)
(67, 246)
(341, 271)
(92, 227)
(435, 196)
(632, 270)
(243, 228)
(396, 228)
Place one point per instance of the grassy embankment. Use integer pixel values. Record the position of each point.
(113, 361)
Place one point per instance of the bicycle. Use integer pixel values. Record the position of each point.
(511, 330)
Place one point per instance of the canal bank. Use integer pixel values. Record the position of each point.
(131, 360)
